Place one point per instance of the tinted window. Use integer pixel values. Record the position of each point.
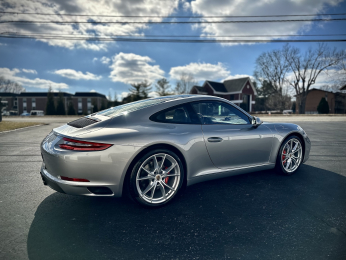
(219, 113)
(176, 115)
(133, 106)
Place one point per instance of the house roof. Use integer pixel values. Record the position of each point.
(235, 85)
(200, 89)
(8, 94)
(44, 94)
(230, 86)
(219, 87)
(343, 87)
(89, 94)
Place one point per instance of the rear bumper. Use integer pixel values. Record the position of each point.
(74, 188)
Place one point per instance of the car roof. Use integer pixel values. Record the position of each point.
(186, 96)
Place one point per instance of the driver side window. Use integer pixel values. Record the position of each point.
(219, 113)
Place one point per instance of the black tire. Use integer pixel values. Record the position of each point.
(132, 181)
(281, 164)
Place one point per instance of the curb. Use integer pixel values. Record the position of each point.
(3, 132)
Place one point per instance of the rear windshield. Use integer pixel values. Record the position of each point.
(133, 106)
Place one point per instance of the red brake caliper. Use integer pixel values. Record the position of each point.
(283, 156)
(166, 179)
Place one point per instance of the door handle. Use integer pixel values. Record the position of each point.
(214, 139)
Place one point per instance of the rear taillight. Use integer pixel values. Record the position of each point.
(77, 145)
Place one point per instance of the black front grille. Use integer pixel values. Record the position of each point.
(82, 122)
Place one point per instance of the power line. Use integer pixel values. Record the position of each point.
(178, 36)
(175, 22)
(172, 16)
(165, 40)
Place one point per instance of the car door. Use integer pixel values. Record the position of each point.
(231, 140)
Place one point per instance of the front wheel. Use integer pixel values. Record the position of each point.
(156, 178)
(290, 156)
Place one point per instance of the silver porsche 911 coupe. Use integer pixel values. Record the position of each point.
(152, 148)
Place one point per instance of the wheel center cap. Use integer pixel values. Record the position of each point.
(158, 177)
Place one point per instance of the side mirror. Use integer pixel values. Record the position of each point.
(256, 121)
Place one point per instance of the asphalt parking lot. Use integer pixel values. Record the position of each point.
(254, 216)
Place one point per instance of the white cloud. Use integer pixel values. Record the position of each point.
(34, 83)
(186, 6)
(29, 71)
(259, 7)
(132, 68)
(105, 60)
(93, 90)
(201, 71)
(3, 44)
(123, 95)
(92, 7)
(237, 76)
(95, 59)
(77, 75)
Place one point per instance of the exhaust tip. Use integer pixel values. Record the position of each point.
(100, 190)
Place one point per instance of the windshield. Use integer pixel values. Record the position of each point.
(133, 106)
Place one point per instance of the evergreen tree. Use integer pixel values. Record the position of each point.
(139, 91)
(60, 108)
(323, 106)
(103, 106)
(162, 87)
(50, 106)
(70, 108)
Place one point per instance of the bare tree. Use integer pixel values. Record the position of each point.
(162, 87)
(272, 67)
(185, 83)
(308, 66)
(339, 76)
(10, 86)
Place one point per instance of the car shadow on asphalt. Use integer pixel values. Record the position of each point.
(253, 216)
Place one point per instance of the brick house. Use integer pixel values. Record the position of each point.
(336, 101)
(240, 91)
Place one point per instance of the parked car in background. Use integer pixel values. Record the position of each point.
(25, 114)
(13, 113)
(37, 113)
(5, 113)
(287, 112)
(151, 148)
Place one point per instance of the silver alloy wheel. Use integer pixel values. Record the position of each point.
(292, 154)
(158, 178)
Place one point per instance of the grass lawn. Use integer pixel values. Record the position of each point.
(9, 125)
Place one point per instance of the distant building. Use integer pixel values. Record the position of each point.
(240, 91)
(83, 102)
(343, 89)
(9, 101)
(336, 101)
(28, 101)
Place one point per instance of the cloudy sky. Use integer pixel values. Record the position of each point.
(103, 66)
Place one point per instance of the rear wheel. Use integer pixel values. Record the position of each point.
(156, 178)
(290, 156)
